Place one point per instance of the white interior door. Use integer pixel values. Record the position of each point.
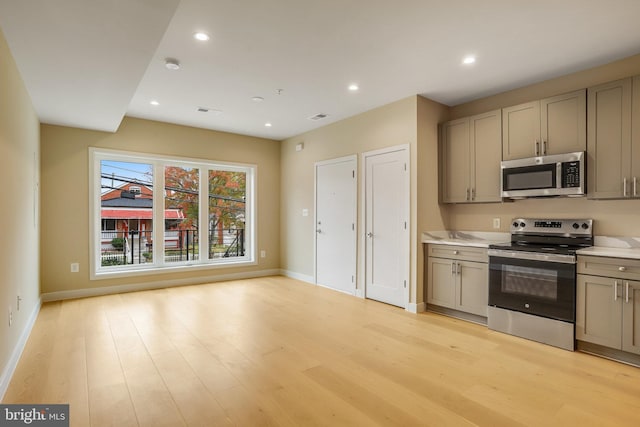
(336, 207)
(387, 225)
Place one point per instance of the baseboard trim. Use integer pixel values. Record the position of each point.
(298, 276)
(109, 290)
(10, 368)
(416, 308)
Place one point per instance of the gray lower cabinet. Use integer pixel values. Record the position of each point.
(608, 303)
(456, 282)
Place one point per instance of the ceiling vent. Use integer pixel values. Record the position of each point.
(211, 111)
(318, 117)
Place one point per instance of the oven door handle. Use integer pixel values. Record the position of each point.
(532, 256)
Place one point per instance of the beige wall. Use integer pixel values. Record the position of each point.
(431, 215)
(19, 253)
(387, 126)
(612, 218)
(65, 194)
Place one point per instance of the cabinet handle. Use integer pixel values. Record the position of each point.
(626, 291)
(473, 194)
(623, 268)
(468, 192)
(456, 252)
(635, 186)
(544, 147)
(458, 268)
(624, 187)
(615, 290)
(453, 268)
(536, 147)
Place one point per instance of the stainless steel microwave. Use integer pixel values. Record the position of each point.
(546, 176)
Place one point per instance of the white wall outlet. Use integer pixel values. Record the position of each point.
(305, 212)
(10, 316)
(75, 267)
(263, 254)
(496, 222)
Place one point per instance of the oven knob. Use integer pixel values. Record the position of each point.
(585, 225)
(522, 224)
(575, 225)
(526, 305)
(515, 224)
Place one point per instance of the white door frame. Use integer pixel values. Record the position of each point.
(354, 219)
(406, 149)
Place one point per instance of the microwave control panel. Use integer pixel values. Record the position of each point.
(570, 174)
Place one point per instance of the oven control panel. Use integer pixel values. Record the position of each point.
(583, 227)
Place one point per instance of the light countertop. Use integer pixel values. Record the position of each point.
(478, 239)
(614, 247)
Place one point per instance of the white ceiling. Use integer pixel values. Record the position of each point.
(87, 63)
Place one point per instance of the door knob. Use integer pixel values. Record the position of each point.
(369, 234)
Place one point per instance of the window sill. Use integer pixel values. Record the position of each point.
(181, 268)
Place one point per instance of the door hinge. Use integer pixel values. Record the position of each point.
(405, 166)
(353, 279)
(353, 174)
(405, 284)
(353, 227)
(405, 225)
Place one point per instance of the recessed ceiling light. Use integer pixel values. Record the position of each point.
(353, 87)
(469, 60)
(172, 64)
(154, 102)
(203, 37)
(268, 125)
(257, 99)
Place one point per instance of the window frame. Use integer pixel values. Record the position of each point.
(158, 163)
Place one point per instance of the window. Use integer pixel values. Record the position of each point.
(155, 213)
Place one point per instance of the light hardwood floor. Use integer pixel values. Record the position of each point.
(275, 351)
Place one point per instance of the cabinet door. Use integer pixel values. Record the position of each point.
(472, 288)
(563, 123)
(609, 139)
(635, 139)
(521, 131)
(486, 153)
(599, 311)
(455, 161)
(631, 317)
(441, 282)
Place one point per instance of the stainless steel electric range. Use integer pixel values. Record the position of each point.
(532, 279)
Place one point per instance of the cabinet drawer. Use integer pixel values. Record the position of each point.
(621, 268)
(464, 253)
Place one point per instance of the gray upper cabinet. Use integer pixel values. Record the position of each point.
(552, 125)
(471, 154)
(610, 144)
